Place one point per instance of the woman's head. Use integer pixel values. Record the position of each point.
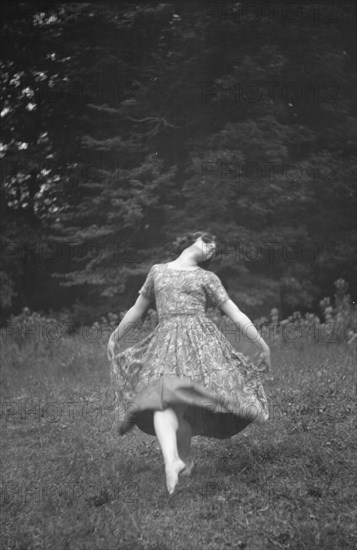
(204, 242)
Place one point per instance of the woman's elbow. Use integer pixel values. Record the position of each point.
(229, 307)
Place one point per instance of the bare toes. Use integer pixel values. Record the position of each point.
(172, 473)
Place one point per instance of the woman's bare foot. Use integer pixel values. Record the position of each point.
(172, 472)
(189, 464)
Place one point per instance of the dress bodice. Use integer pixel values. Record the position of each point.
(179, 291)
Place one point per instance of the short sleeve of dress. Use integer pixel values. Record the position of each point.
(148, 290)
(215, 290)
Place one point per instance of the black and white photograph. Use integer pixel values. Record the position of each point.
(178, 321)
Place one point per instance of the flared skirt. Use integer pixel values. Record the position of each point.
(187, 363)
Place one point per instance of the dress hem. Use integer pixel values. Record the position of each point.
(206, 412)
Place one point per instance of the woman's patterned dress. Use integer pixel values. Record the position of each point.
(186, 361)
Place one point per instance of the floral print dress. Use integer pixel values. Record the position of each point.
(186, 362)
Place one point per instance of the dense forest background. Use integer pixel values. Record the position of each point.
(126, 124)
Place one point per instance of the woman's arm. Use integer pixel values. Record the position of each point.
(248, 329)
(132, 316)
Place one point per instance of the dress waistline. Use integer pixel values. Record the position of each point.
(180, 314)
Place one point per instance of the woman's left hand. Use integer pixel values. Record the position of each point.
(111, 349)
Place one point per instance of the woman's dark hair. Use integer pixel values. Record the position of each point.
(186, 239)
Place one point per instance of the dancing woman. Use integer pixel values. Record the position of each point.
(185, 378)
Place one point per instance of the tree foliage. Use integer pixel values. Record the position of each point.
(125, 124)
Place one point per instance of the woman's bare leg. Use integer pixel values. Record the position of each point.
(166, 426)
(184, 435)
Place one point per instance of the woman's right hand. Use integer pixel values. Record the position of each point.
(264, 359)
(111, 349)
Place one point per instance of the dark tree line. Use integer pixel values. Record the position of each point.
(124, 125)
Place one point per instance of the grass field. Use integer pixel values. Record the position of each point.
(70, 483)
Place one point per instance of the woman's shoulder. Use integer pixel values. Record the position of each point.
(157, 268)
(208, 275)
(152, 270)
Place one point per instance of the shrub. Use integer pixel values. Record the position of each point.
(338, 322)
(34, 328)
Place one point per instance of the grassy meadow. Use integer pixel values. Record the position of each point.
(70, 483)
